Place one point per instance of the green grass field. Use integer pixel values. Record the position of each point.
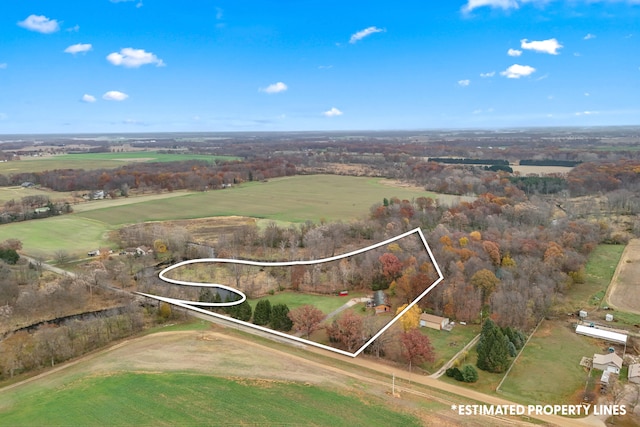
(186, 399)
(98, 161)
(43, 237)
(598, 273)
(548, 370)
(293, 199)
(294, 300)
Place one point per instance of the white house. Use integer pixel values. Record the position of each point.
(607, 362)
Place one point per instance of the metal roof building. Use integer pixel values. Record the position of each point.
(602, 334)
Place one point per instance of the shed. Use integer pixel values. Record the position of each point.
(634, 373)
(607, 362)
(432, 321)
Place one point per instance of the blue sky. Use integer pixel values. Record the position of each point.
(76, 66)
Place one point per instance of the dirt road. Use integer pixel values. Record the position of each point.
(624, 290)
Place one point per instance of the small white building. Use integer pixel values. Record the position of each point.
(433, 321)
(610, 362)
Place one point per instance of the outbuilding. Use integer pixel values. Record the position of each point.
(432, 321)
(634, 373)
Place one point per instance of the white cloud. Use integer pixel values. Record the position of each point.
(587, 94)
(88, 98)
(516, 71)
(464, 83)
(114, 95)
(78, 48)
(333, 112)
(134, 58)
(549, 46)
(364, 33)
(3, 66)
(514, 52)
(219, 13)
(325, 67)
(503, 4)
(586, 113)
(73, 29)
(40, 23)
(274, 88)
(589, 37)
(489, 74)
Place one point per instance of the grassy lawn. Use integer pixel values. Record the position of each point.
(185, 399)
(90, 161)
(548, 370)
(293, 300)
(447, 344)
(291, 199)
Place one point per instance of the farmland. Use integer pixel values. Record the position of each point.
(293, 199)
(172, 379)
(98, 161)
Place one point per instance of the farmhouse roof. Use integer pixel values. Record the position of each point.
(602, 333)
(634, 370)
(379, 298)
(608, 359)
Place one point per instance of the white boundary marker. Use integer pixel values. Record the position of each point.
(195, 306)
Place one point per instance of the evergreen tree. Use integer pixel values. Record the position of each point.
(493, 351)
(469, 374)
(512, 349)
(243, 311)
(262, 313)
(279, 318)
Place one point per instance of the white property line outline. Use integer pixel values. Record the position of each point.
(190, 305)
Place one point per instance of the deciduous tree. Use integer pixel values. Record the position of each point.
(306, 319)
(416, 347)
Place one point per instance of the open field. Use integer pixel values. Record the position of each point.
(179, 399)
(598, 273)
(292, 199)
(294, 300)
(17, 193)
(623, 294)
(43, 237)
(97, 161)
(548, 371)
(197, 378)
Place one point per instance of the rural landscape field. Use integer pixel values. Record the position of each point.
(111, 244)
(326, 214)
